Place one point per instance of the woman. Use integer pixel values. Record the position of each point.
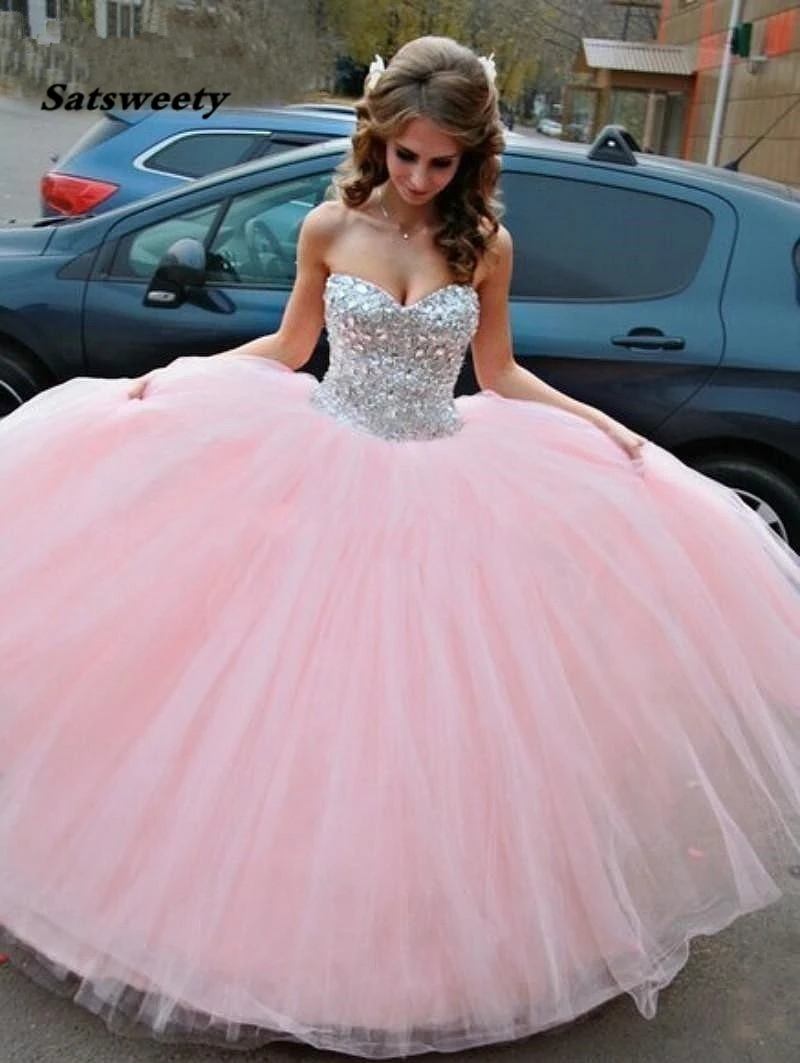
(354, 714)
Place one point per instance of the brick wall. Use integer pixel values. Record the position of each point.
(755, 99)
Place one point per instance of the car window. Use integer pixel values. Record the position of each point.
(139, 253)
(256, 244)
(584, 241)
(199, 154)
(279, 142)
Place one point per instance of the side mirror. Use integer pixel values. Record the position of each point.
(182, 266)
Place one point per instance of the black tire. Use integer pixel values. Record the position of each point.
(772, 495)
(20, 377)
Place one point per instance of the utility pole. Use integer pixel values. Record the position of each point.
(722, 86)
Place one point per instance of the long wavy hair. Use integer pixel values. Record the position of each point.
(438, 79)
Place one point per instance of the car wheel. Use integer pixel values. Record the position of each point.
(20, 377)
(768, 493)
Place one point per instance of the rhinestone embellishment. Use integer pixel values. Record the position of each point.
(393, 368)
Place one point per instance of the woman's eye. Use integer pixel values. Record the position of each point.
(406, 156)
(442, 164)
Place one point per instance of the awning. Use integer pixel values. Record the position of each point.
(641, 57)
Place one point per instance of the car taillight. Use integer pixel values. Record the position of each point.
(74, 195)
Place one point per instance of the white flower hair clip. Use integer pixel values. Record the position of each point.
(376, 68)
(489, 68)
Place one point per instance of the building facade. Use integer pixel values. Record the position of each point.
(41, 19)
(763, 94)
(130, 18)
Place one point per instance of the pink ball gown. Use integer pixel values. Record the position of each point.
(354, 714)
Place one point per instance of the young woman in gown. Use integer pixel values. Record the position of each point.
(354, 714)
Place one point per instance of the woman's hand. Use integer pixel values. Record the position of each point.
(629, 441)
(137, 387)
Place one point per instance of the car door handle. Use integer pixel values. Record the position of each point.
(649, 340)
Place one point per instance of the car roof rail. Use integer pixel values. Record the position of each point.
(614, 144)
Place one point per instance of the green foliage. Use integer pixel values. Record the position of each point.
(505, 27)
(82, 9)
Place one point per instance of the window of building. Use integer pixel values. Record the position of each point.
(123, 18)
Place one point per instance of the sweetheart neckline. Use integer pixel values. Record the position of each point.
(393, 298)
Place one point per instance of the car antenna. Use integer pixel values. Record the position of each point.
(734, 163)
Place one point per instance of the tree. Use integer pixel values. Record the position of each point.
(506, 28)
(533, 41)
(79, 9)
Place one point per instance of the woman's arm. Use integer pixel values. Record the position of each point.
(493, 358)
(303, 319)
(294, 342)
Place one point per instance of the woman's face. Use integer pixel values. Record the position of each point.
(421, 160)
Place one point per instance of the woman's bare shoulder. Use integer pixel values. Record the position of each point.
(327, 219)
(497, 257)
(501, 243)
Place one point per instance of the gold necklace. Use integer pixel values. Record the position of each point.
(405, 233)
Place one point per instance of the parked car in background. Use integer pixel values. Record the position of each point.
(324, 107)
(550, 127)
(127, 155)
(579, 131)
(663, 292)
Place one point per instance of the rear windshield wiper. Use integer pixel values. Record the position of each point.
(62, 219)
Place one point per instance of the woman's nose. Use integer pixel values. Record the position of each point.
(418, 180)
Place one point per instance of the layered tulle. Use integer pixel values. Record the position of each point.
(381, 746)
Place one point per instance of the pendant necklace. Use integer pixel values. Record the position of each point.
(405, 233)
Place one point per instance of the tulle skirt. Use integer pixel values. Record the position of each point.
(383, 747)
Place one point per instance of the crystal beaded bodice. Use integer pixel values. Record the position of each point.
(393, 368)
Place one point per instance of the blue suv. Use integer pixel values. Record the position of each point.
(128, 155)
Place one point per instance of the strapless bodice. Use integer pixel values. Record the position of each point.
(393, 368)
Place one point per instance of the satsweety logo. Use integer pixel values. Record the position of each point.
(57, 98)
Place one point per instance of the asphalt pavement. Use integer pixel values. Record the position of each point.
(29, 138)
(737, 1001)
